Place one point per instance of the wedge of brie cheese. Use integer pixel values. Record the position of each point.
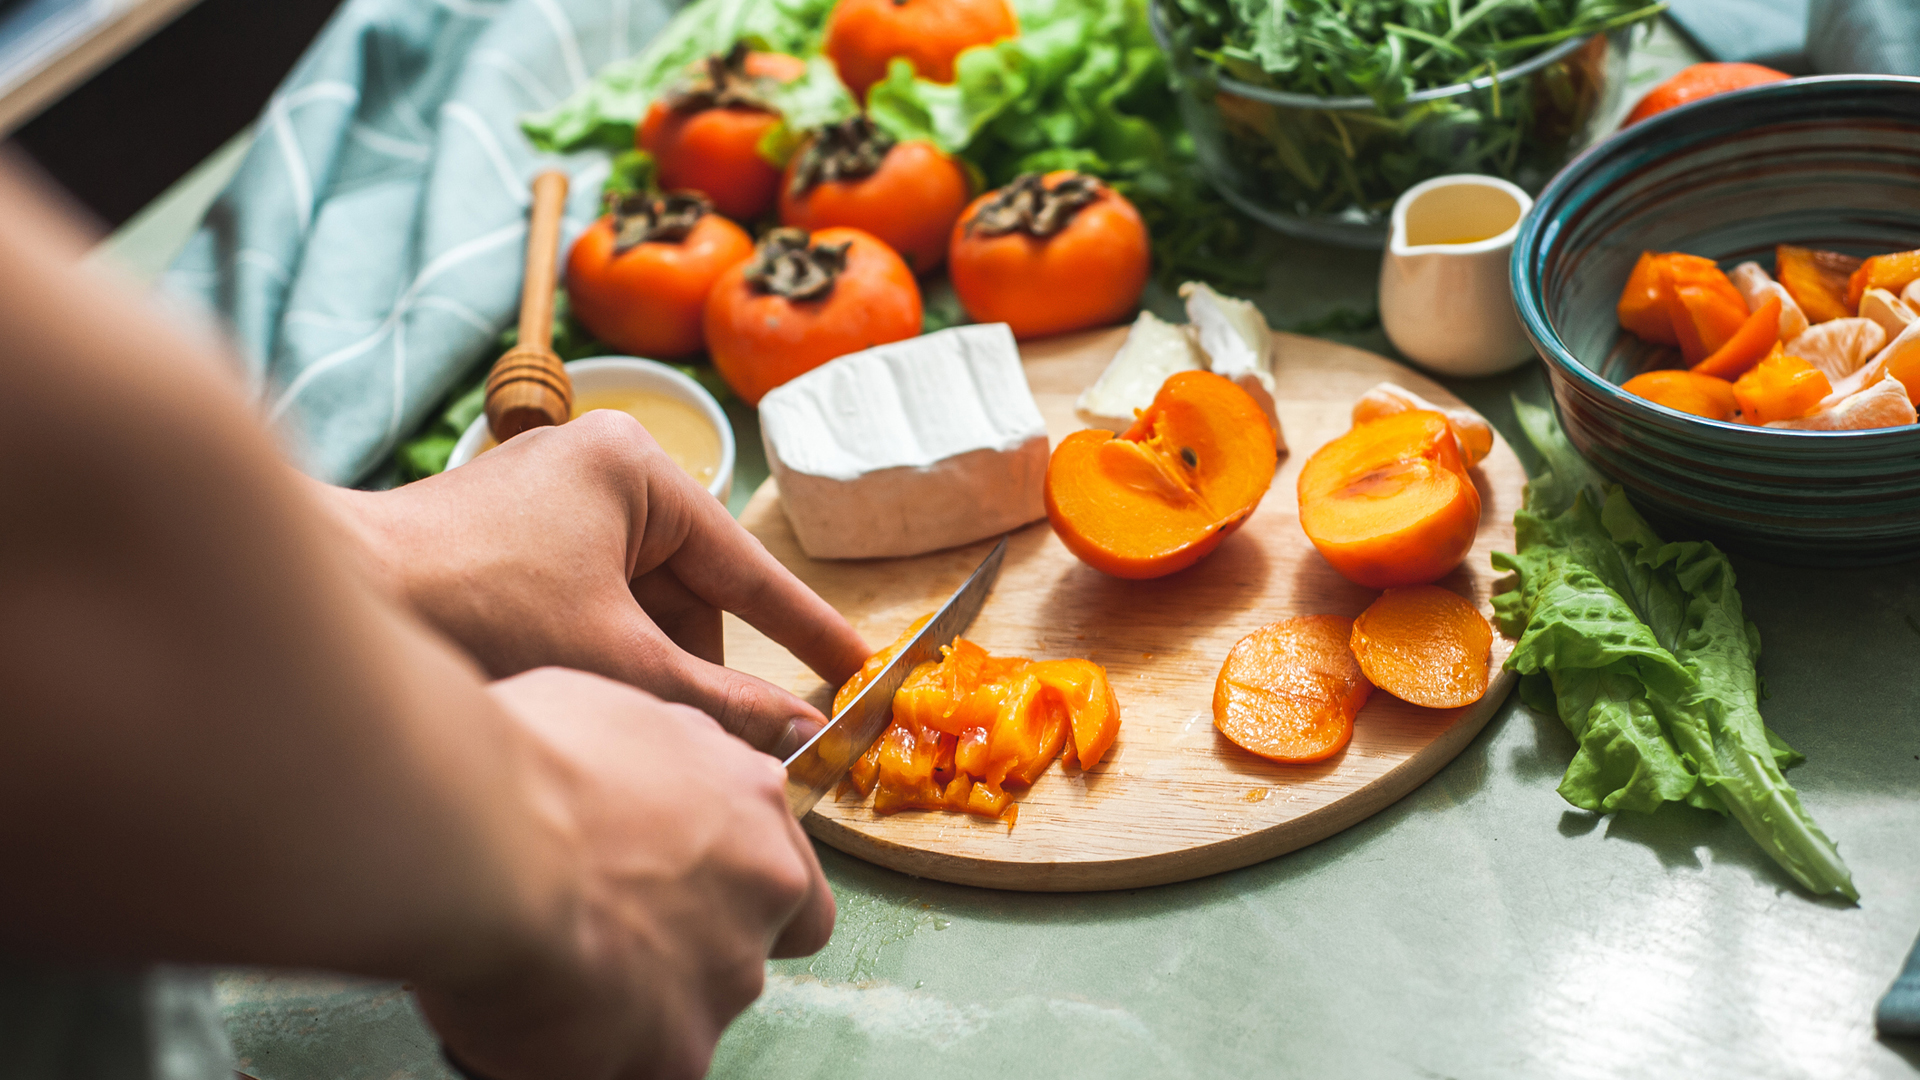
(1237, 341)
(1154, 349)
(910, 447)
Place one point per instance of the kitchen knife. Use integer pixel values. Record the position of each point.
(817, 766)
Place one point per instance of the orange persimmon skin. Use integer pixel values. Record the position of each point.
(1817, 280)
(1705, 307)
(1087, 274)
(1699, 81)
(1748, 346)
(910, 202)
(717, 151)
(1162, 495)
(1289, 691)
(650, 299)
(760, 340)
(1390, 502)
(1425, 645)
(1781, 387)
(863, 36)
(1687, 391)
(1892, 272)
(1643, 303)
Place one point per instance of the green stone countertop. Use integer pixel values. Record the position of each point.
(1480, 928)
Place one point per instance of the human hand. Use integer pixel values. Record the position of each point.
(686, 873)
(584, 546)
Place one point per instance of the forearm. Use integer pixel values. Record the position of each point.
(223, 743)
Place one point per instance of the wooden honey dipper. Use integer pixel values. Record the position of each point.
(528, 387)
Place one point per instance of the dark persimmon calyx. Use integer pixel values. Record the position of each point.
(787, 263)
(640, 218)
(1030, 206)
(722, 83)
(1161, 495)
(852, 149)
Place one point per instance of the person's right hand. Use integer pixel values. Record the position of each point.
(688, 873)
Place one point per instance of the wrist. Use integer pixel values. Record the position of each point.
(361, 520)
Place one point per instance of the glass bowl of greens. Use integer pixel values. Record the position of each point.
(1314, 115)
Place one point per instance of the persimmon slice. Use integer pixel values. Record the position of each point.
(1687, 391)
(1289, 691)
(1162, 495)
(1817, 280)
(1390, 503)
(1425, 645)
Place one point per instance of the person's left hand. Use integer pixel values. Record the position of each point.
(584, 546)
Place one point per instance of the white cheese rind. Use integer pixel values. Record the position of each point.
(1153, 351)
(908, 448)
(1237, 341)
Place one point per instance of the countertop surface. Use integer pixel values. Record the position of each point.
(1481, 927)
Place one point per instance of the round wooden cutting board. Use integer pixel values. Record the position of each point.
(1173, 799)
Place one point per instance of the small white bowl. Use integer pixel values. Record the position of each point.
(628, 373)
(1447, 306)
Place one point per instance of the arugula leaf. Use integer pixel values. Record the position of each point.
(1644, 651)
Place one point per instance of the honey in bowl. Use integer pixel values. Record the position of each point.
(681, 429)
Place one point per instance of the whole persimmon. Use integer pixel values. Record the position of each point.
(1700, 81)
(908, 194)
(705, 135)
(1050, 254)
(863, 36)
(639, 277)
(804, 300)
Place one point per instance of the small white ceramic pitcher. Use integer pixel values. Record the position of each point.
(1444, 297)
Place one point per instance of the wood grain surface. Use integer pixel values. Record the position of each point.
(1173, 799)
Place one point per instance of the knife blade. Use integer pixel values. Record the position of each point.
(819, 764)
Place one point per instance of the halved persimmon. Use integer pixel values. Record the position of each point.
(1426, 645)
(1161, 495)
(1390, 502)
(1289, 691)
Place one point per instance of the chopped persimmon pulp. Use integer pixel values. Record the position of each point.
(969, 725)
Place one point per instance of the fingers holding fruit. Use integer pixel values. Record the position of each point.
(1047, 255)
(864, 36)
(639, 277)
(705, 136)
(803, 300)
(853, 174)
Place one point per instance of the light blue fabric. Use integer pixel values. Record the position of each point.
(368, 251)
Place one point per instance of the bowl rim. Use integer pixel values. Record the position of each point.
(1640, 142)
(1361, 102)
(690, 390)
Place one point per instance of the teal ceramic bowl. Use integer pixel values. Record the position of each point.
(1825, 162)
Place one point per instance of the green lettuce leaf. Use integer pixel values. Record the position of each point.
(605, 111)
(1643, 650)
